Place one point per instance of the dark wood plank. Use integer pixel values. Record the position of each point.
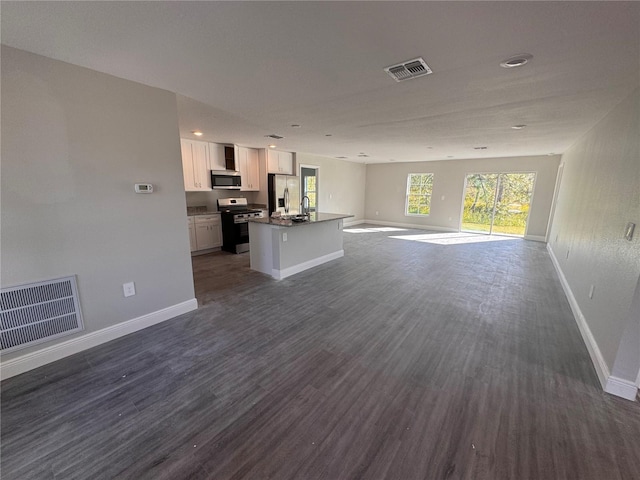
(402, 360)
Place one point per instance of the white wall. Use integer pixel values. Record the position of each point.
(74, 141)
(599, 194)
(341, 185)
(387, 183)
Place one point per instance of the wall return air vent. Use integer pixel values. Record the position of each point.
(37, 312)
(410, 69)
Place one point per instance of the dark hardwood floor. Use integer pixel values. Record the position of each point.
(403, 360)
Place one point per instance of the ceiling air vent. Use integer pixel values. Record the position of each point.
(408, 70)
(274, 136)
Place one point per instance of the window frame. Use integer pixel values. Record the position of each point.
(407, 193)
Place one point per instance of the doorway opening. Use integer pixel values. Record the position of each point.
(497, 203)
(309, 185)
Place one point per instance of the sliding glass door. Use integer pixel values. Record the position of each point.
(497, 203)
(479, 202)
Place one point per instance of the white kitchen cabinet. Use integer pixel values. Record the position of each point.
(279, 162)
(216, 156)
(192, 234)
(195, 165)
(249, 169)
(207, 232)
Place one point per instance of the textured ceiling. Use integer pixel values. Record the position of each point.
(246, 69)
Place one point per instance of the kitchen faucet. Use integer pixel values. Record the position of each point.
(308, 206)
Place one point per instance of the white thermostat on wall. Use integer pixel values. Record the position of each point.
(144, 188)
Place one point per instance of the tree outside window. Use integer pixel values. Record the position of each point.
(419, 188)
(311, 192)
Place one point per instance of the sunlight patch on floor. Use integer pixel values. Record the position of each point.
(453, 238)
(377, 229)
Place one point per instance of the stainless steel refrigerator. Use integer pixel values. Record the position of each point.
(284, 194)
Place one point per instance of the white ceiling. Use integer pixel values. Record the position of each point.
(246, 69)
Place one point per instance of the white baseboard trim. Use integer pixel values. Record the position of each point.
(353, 223)
(32, 360)
(621, 388)
(301, 267)
(411, 225)
(594, 351)
(536, 238)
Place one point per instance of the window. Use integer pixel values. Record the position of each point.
(419, 187)
(310, 191)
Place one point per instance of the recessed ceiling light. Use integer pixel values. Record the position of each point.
(343, 158)
(479, 148)
(328, 135)
(275, 136)
(272, 146)
(197, 133)
(518, 127)
(363, 155)
(516, 60)
(430, 148)
(295, 125)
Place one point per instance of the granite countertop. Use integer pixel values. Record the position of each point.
(196, 214)
(316, 217)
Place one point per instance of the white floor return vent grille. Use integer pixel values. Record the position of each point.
(38, 312)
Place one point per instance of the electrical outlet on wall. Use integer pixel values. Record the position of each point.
(129, 289)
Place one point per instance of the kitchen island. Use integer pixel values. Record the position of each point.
(283, 247)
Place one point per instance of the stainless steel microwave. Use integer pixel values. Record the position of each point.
(225, 180)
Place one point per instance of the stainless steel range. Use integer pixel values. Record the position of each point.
(235, 215)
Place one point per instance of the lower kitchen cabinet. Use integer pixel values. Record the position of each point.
(207, 232)
(192, 234)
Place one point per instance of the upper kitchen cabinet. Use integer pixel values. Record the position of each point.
(223, 157)
(279, 162)
(249, 166)
(195, 165)
(216, 156)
